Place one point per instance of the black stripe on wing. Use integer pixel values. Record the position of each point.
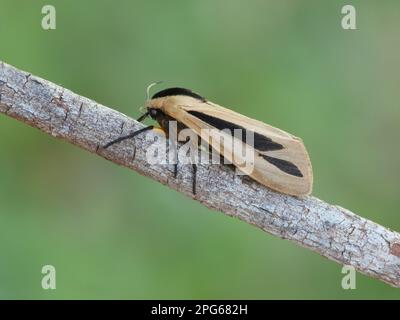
(261, 143)
(283, 165)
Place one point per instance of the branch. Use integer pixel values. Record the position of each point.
(329, 230)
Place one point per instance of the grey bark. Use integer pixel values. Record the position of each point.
(332, 231)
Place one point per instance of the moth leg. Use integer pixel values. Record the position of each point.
(194, 166)
(194, 159)
(172, 133)
(131, 135)
(143, 116)
(175, 164)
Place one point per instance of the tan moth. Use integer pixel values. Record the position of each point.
(281, 161)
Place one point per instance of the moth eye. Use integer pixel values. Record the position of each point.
(153, 112)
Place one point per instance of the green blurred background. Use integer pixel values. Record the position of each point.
(112, 233)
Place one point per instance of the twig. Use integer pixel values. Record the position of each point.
(332, 231)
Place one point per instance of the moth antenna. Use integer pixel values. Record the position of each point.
(143, 109)
(149, 87)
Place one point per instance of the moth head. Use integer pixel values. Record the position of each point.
(153, 112)
(154, 107)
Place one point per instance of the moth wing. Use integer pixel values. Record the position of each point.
(281, 161)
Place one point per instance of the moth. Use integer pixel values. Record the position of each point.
(281, 161)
